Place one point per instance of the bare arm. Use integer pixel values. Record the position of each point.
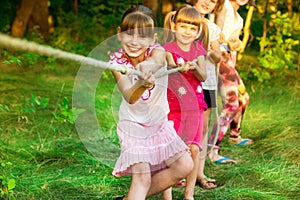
(220, 18)
(200, 69)
(214, 53)
(170, 61)
(156, 60)
(132, 92)
(234, 41)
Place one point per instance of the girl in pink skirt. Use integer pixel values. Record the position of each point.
(185, 94)
(151, 151)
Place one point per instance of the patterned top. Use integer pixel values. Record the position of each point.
(152, 108)
(184, 89)
(211, 81)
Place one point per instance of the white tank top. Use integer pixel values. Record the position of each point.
(152, 107)
(211, 81)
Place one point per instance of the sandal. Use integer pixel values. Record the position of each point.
(240, 141)
(207, 183)
(120, 198)
(181, 183)
(224, 160)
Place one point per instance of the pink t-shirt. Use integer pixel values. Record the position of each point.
(184, 89)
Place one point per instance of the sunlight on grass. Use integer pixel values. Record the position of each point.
(52, 163)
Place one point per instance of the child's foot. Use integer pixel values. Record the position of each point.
(218, 159)
(240, 141)
(206, 183)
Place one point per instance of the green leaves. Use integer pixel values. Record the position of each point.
(66, 114)
(13, 60)
(35, 102)
(7, 184)
(279, 55)
(4, 108)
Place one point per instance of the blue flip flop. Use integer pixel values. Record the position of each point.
(221, 161)
(243, 142)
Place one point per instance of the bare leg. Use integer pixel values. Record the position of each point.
(191, 178)
(203, 153)
(177, 170)
(141, 181)
(204, 145)
(167, 194)
(214, 156)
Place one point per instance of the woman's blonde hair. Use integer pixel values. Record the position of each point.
(186, 14)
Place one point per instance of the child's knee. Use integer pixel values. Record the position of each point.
(184, 165)
(188, 165)
(142, 179)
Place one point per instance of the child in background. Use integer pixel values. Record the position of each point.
(206, 7)
(235, 98)
(151, 151)
(185, 95)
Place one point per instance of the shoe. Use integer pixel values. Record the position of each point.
(240, 141)
(119, 198)
(207, 183)
(181, 183)
(224, 160)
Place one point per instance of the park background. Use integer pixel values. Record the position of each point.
(43, 157)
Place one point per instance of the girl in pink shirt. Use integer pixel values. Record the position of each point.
(185, 96)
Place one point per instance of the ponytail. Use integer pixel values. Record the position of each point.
(168, 34)
(204, 34)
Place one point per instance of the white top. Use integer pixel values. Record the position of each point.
(152, 107)
(232, 25)
(211, 80)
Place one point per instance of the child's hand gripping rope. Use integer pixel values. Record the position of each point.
(146, 77)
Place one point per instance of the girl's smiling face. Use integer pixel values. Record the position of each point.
(135, 42)
(136, 34)
(185, 33)
(205, 6)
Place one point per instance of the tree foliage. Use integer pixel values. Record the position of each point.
(79, 25)
(279, 41)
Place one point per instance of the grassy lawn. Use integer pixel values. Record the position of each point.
(49, 160)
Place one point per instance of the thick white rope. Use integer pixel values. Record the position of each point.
(24, 45)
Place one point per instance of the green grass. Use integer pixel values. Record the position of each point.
(49, 161)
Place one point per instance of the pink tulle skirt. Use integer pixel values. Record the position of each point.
(147, 144)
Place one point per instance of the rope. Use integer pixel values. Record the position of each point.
(24, 45)
(170, 71)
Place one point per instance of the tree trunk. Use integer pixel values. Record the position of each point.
(75, 5)
(153, 5)
(113, 26)
(246, 31)
(20, 22)
(38, 21)
(265, 26)
(290, 7)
